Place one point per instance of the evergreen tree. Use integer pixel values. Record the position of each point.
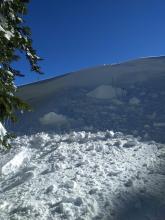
(15, 37)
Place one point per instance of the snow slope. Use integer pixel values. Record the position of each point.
(117, 74)
(93, 148)
(107, 97)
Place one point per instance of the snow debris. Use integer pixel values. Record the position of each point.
(130, 144)
(81, 175)
(16, 162)
(109, 134)
(102, 157)
(128, 183)
(53, 118)
(134, 101)
(106, 92)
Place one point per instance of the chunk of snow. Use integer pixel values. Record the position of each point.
(129, 144)
(2, 131)
(106, 92)
(134, 101)
(69, 184)
(109, 134)
(128, 183)
(52, 118)
(15, 163)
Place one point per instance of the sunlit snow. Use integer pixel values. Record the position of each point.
(92, 148)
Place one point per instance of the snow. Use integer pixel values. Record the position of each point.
(119, 75)
(53, 118)
(7, 34)
(134, 101)
(81, 175)
(2, 131)
(106, 92)
(93, 148)
(16, 162)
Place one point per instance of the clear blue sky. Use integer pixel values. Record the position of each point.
(75, 34)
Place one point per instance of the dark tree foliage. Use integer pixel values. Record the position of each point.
(15, 37)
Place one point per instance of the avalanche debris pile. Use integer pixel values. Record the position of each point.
(82, 175)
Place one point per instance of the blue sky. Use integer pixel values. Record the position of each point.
(75, 34)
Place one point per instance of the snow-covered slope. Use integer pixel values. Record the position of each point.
(77, 168)
(117, 74)
(107, 97)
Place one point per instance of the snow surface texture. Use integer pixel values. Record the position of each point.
(83, 175)
(107, 97)
(70, 165)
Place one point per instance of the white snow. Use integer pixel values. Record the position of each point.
(134, 101)
(7, 34)
(16, 162)
(2, 131)
(80, 175)
(106, 92)
(53, 118)
(140, 70)
(93, 168)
